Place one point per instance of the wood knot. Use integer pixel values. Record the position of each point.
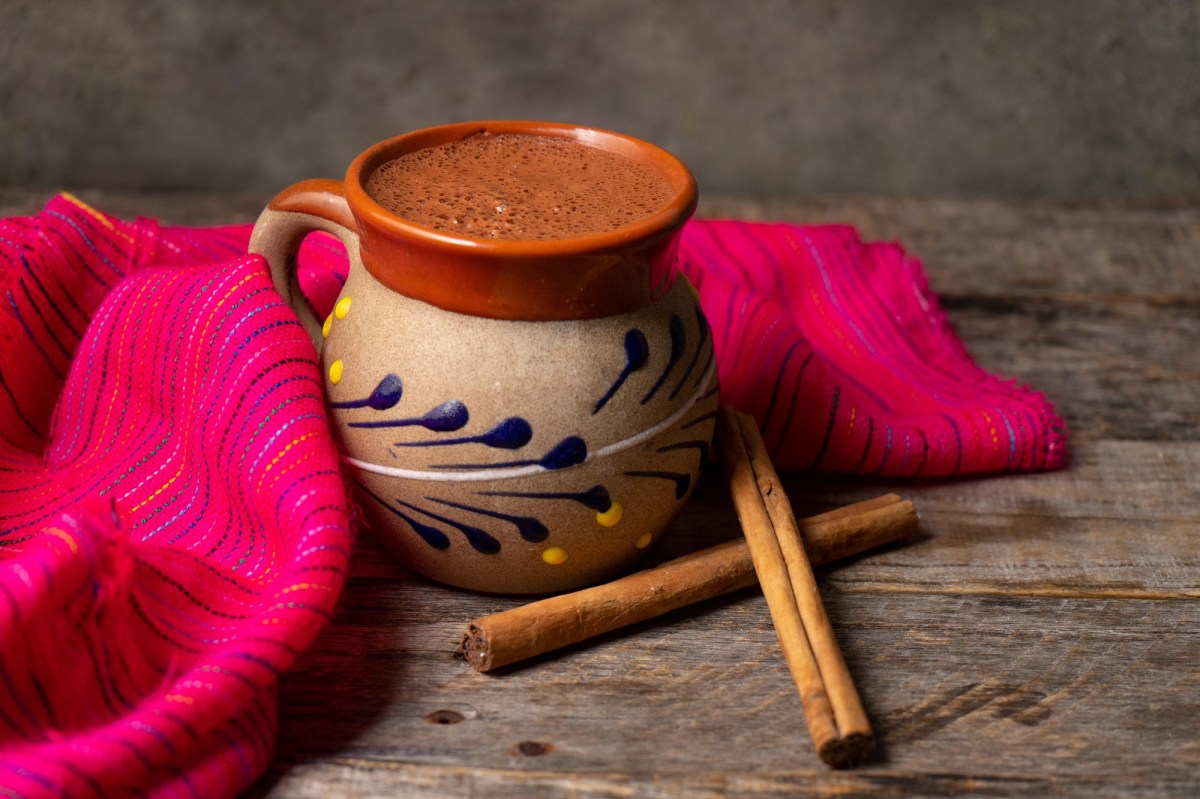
(444, 717)
(531, 748)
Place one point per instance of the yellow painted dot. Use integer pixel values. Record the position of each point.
(325, 327)
(342, 308)
(335, 372)
(554, 555)
(643, 541)
(611, 516)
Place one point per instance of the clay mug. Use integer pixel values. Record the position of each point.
(518, 416)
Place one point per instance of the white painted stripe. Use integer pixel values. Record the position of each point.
(507, 473)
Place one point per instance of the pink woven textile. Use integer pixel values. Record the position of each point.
(842, 353)
(174, 529)
(173, 526)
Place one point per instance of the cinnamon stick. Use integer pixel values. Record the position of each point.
(523, 632)
(836, 719)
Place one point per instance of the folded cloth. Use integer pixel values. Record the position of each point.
(844, 357)
(173, 526)
(174, 530)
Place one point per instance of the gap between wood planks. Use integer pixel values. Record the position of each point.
(616, 784)
(973, 590)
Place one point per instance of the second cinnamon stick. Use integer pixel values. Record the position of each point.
(837, 721)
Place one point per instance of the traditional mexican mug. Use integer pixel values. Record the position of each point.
(523, 385)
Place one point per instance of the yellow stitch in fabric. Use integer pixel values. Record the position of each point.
(816, 298)
(235, 289)
(837, 331)
(161, 488)
(305, 586)
(84, 206)
(342, 308)
(987, 418)
(335, 371)
(158, 491)
(290, 444)
(97, 215)
(281, 456)
(60, 533)
(200, 368)
(294, 463)
(180, 698)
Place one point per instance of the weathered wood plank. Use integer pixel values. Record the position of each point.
(1115, 367)
(172, 208)
(358, 779)
(976, 695)
(1002, 247)
(1120, 522)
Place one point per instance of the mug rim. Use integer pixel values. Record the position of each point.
(671, 215)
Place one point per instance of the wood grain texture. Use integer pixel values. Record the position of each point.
(1004, 248)
(1039, 637)
(1120, 521)
(170, 208)
(979, 695)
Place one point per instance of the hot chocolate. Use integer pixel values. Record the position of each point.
(520, 187)
(558, 375)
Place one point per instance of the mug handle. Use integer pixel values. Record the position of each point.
(318, 204)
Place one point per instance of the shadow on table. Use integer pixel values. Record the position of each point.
(331, 695)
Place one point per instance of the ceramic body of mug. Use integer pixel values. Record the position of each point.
(518, 416)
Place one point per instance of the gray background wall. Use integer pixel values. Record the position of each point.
(761, 97)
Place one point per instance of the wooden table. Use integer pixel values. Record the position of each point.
(1041, 637)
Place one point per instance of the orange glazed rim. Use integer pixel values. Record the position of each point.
(673, 214)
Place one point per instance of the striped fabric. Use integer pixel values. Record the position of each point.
(842, 353)
(174, 529)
